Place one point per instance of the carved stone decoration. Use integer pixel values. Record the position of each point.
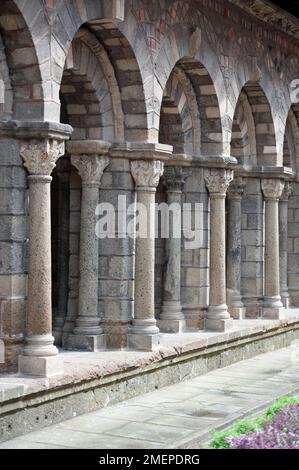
(174, 178)
(287, 191)
(236, 188)
(218, 180)
(272, 188)
(40, 156)
(90, 167)
(147, 173)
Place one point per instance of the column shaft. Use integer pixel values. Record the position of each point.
(272, 306)
(144, 331)
(235, 304)
(63, 251)
(217, 317)
(283, 244)
(88, 334)
(171, 319)
(39, 357)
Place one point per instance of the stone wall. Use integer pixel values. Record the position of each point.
(293, 248)
(13, 237)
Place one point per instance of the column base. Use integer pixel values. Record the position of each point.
(274, 313)
(285, 301)
(218, 324)
(171, 326)
(89, 343)
(40, 366)
(237, 313)
(143, 342)
(57, 337)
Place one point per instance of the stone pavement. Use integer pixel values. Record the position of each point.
(178, 416)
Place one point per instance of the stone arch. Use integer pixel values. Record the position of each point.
(89, 92)
(291, 139)
(243, 143)
(203, 106)
(261, 125)
(179, 119)
(6, 92)
(121, 41)
(23, 62)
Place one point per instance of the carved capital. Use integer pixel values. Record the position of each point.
(287, 191)
(147, 173)
(236, 188)
(174, 178)
(40, 156)
(272, 189)
(90, 168)
(218, 180)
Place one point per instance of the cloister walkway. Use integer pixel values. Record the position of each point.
(177, 416)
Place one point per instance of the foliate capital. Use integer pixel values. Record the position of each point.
(272, 188)
(174, 178)
(40, 156)
(90, 167)
(236, 188)
(218, 180)
(287, 191)
(147, 173)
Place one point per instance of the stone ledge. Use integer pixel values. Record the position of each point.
(95, 380)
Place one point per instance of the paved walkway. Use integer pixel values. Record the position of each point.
(178, 416)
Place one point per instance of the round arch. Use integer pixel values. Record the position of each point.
(253, 127)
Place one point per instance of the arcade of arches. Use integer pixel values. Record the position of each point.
(162, 100)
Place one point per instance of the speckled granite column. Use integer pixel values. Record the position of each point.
(39, 356)
(217, 317)
(283, 243)
(144, 333)
(88, 334)
(233, 255)
(171, 319)
(272, 305)
(63, 174)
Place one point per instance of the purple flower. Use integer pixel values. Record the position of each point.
(281, 433)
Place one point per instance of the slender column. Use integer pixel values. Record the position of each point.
(283, 243)
(39, 355)
(144, 333)
(63, 174)
(217, 317)
(272, 305)
(88, 334)
(171, 319)
(233, 256)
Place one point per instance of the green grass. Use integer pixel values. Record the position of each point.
(219, 440)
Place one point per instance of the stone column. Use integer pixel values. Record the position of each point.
(233, 255)
(88, 334)
(171, 319)
(144, 333)
(272, 305)
(217, 316)
(63, 174)
(39, 357)
(283, 243)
